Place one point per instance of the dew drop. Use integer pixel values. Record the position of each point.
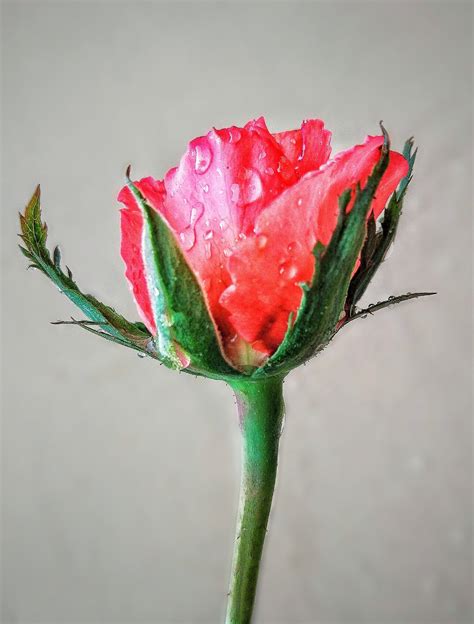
(203, 158)
(262, 241)
(299, 202)
(303, 149)
(293, 141)
(205, 188)
(196, 213)
(208, 250)
(294, 247)
(234, 193)
(188, 238)
(227, 253)
(234, 135)
(223, 225)
(208, 235)
(253, 188)
(262, 155)
(270, 170)
(289, 270)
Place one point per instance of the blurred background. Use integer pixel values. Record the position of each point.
(120, 478)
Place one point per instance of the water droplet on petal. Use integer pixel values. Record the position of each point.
(293, 141)
(270, 170)
(294, 247)
(262, 241)
(196, 213)
(188, 238)
(227, 253)
(253, 188)
(262, 155)
(234, 135)
(205, 188)
(285, 169)
(223, 225)
(208, 235)
(289, 270)
(299, 202)
(301, 156)
(208, 250)
(234, 193)
(203, 158)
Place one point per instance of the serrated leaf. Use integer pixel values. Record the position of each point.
(34, 236)
(183, 322)
(324, 300)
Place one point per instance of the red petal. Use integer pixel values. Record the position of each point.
(267, 267)
(308, 148)
(132, 228)
(211, 200)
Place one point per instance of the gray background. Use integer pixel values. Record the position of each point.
(120, 477)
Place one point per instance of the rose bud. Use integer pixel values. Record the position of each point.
(248, 257)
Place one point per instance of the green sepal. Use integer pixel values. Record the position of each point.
(184, 325)
(114, 326)
(377, 243)
(323, 300)
(380, 305)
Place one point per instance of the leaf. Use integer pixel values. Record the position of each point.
(34, 236)
(377, 245)
(184, 325)
(323, 300)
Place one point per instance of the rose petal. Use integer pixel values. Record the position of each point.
(307, 148)
(131, 221)
(211, 200)
(268, 266)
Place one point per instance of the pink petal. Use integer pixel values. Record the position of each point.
(211, 201)
(267, 267)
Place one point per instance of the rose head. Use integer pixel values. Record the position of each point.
(249, 256)
(247, 208)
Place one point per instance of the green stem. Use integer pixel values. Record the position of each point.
(261, 408)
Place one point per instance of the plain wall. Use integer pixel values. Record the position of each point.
(120, 477)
